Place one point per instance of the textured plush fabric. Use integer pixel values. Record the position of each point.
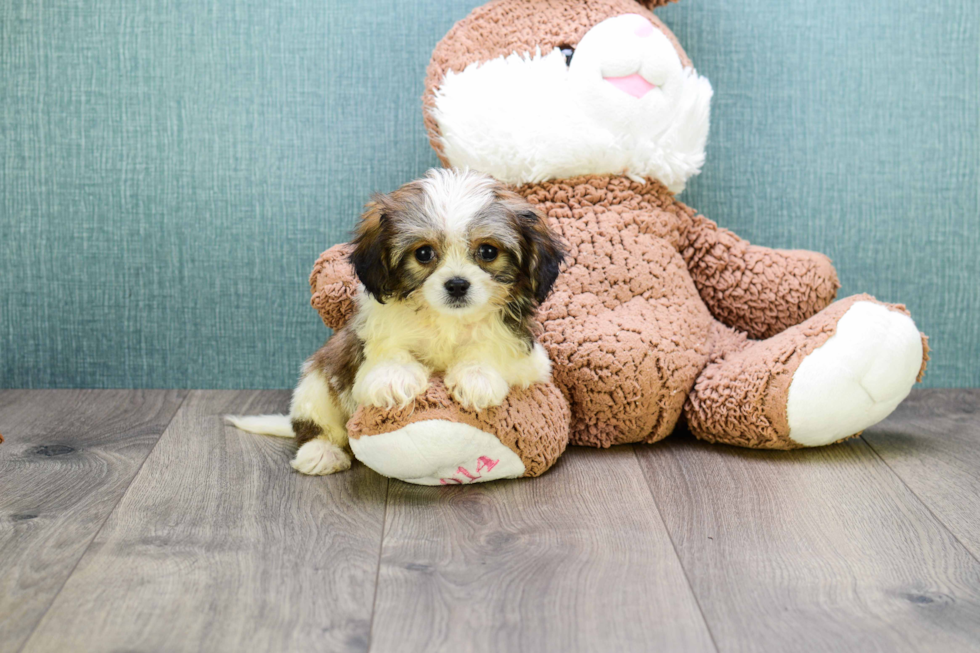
(627, 327)
(334, 285)
(169, 172)
(773, 289)
(533, 423)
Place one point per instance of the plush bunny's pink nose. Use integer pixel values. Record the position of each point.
(633, 84)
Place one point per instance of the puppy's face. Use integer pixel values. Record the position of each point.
(458, 242)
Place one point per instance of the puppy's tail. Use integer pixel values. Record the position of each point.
(277, 425)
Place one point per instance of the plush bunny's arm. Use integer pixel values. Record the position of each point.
(334, 284)
(757, 290)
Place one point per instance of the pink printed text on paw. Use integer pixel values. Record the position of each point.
(483, 464)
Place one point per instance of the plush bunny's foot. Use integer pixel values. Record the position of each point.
(856, 378)
(839, 372)
(439, 442)
(438, 452)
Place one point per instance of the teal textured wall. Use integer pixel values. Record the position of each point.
(170, 170)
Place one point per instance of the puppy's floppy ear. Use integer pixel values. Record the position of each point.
(543, 253)
(370, 257)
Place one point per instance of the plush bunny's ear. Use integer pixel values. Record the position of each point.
(653, 4)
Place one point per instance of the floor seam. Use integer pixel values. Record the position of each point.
(95, 535)
(377, 573)
(673, 546)
(919, 499)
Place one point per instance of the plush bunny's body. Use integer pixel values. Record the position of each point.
(658, 312)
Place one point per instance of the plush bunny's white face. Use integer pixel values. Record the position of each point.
(620, 103)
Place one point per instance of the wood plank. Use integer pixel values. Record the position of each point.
(219, 546)
(575, 560)
(818, 550)
(932, 442)
(68, 458)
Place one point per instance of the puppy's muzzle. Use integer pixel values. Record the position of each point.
(456, 288)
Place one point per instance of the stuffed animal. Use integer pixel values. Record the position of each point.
(591, 110)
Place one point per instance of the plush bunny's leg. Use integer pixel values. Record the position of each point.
(841, 371)
(437, 442)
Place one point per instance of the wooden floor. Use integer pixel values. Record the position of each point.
(137, 521)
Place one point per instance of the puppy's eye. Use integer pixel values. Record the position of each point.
(487, 252)
(425, 254)
(568, 51)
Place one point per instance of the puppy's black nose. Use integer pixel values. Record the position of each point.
(457, 287)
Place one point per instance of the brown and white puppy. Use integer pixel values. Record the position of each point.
(453, 267)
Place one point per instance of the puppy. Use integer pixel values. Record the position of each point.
(452, 268)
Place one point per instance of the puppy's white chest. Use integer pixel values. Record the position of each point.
(441, 349)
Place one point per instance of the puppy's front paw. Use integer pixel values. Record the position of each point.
(477, 386)
(318, 458)
(391, 384)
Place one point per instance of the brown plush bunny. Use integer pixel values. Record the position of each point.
(592, 111)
